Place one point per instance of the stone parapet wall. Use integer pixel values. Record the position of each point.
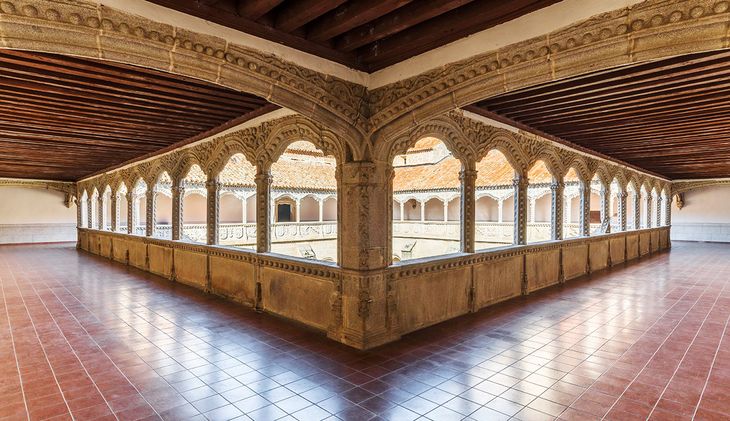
(365, 310)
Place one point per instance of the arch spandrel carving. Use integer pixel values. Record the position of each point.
(601, 42)
(290, 129)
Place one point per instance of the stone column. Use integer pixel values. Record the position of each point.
(668, 211)
(178, 194)
(321, 210)
(468, 210)
(79, 213)
(298, 210)
(500, 210)
(606, 208)
(637, 210)
(402, 209)
(115, 212)
(585, 208)
(520, 185)
(446, 211)
(648, 210)
(556, 219)
(423, 211)
(131, 214)
(100, 213)
(622, 196)
(361, 313)
(212, 212)
(89, 213)
(263, 209)
(151, 223)
(659, 201)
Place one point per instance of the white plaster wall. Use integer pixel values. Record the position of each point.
(231, 209)
(35, 215)
(705, 215)
(194, 209)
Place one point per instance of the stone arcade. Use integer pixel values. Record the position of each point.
(370, 205)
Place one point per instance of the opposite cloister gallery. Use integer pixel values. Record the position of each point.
(343, 209)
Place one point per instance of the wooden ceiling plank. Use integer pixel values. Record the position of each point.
(350, 15)
(448, 27)
(397, 21)
(255, 9)
(301, 12)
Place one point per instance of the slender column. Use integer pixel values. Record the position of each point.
(79, 213)
(446, 211)
(115, 212)
(423, 211)
(131, 214)
(178, 193)
(606, 208)
(402, 209)
(533, 203)
(321, 210)
(585, 209)
(520, 186)
(668, 211)
(212, 213)
(556, 219)
(100, 212)
(263, 210)
(648, 210)
(637, 210)
(500, 210)
(297, 210)
(468, 180)
(622, 196)
(151, 214)
(659, 201)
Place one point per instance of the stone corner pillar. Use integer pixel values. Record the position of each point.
(520, 203)
(585, 208)
(363, 319)
(468, 210)
(556, 226)
(263, 209)
(212, 215)
(178, 193)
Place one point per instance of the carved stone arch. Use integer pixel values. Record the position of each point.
(620, 177)
(580, 166)
(602, 42)
(507, 145)
(88, 29)
(241, 142)
(604, 176)
(186, 160)
(296, 128)
(551, 160)
(443, 128)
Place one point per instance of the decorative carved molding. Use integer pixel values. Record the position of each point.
(678, 187)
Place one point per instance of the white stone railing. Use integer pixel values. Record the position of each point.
(494, 232)
(245, 234)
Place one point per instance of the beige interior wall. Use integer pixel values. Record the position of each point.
(20, 205)
(705, 215)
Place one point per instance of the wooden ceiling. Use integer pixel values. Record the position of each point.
(62, 118)
(364, 34)
(669, 117)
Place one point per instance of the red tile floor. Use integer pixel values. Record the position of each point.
(83, 338)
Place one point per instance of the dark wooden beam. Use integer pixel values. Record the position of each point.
(301, 12)
(350, 15)
(254, 9)
(392, 23)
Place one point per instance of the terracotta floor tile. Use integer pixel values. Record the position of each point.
(642, 340)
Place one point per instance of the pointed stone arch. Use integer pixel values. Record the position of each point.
(295, 128)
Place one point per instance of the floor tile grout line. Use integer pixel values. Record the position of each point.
(43, 348)
(102, 350)
(637, 340)
(709, 374)
(15, 353)
(660, 345)
(73, 350)
(686, 351)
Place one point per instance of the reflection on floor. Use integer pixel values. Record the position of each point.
(84, 337)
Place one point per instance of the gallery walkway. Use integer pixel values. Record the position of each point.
(85, 338)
